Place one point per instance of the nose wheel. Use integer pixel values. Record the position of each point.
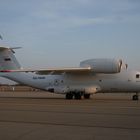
(135, 97)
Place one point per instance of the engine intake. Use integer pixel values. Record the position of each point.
(106, 66)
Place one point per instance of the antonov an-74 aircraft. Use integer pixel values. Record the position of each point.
(92, 76)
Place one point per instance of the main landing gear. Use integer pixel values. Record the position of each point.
(69, 96)
(87, 96)
(77, 95)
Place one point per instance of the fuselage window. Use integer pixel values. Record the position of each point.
(137, 76)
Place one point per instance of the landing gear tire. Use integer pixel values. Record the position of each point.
(77, 96)
(69, 96)
(87, 96)
(135, 97)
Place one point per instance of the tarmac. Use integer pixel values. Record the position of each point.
(42, 116)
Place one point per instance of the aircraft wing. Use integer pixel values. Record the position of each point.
(53, 71)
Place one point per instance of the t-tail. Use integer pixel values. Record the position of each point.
(8, 60)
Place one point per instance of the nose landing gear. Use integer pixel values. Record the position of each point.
(135, 97)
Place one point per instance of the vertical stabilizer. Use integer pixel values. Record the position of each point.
(8, 60)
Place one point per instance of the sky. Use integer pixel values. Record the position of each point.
(61, 33)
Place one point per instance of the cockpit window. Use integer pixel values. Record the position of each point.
(137, 76)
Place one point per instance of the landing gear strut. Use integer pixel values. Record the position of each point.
(135, 97)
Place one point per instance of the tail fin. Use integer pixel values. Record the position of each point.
(8, 60)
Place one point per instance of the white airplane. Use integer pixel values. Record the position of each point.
(93, 76)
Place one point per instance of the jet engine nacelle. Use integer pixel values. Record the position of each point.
(106, 66)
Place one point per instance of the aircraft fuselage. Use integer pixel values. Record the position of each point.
(126, 81)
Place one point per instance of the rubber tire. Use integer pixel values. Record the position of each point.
(135, 97)
(69, 96)
(87, 96)
(77, 96)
